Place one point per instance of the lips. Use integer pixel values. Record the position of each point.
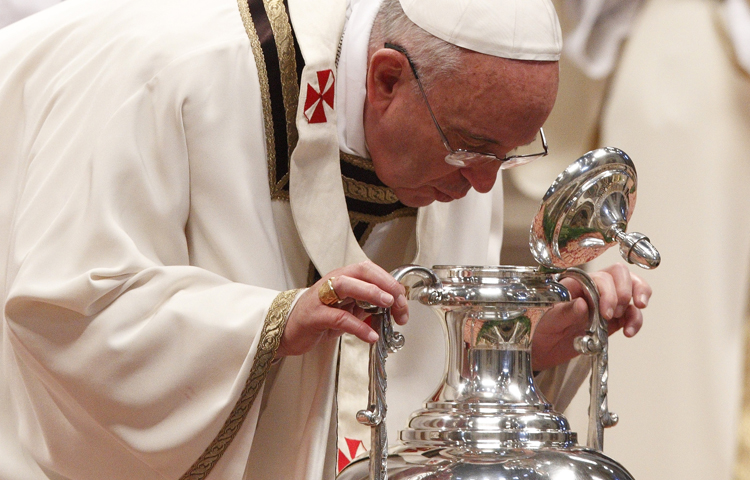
(443, 197)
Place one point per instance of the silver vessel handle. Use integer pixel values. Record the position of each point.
(389, 341)
(596, 344)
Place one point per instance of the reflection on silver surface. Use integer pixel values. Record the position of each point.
(487, 420)
(575, 463)
(586, 211)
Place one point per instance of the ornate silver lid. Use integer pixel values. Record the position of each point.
(586, 211)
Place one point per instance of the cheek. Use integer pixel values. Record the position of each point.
(410, 157)
(413, 169)
(430, 171)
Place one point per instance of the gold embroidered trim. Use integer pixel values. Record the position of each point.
(270, 338)
(363, 163)
(265, 93)
(369, 193)
(282, 34)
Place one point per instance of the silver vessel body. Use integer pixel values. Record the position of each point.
(487, 420)
(573, 463)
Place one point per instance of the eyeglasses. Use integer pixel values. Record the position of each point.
(465, 158)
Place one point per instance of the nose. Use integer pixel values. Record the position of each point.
(481, 177)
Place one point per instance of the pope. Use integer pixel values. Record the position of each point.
(176, 174)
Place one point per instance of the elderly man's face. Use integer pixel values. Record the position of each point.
(493, 105)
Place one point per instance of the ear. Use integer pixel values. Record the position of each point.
(387, 74)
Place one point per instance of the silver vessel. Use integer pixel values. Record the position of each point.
(487, 420)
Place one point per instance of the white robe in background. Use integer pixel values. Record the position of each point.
(679, 104)
(14, 10)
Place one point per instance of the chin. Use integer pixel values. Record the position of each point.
(417, 202)
(412, 198)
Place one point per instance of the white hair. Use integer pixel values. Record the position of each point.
(433, 57)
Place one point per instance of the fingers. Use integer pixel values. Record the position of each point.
(618, 289)
(615, 290)
(354, 288)
(309, 325)
(641, 292)
(622, 295)
(623, 289)
(367, 282)
(341, 321)
(317, 315)
(632, 321)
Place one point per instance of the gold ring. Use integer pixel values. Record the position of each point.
(327, 294)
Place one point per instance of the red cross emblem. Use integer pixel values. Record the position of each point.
(316, 99)
(353, 447)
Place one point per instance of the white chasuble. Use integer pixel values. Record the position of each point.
(143, 252)
(151, 256)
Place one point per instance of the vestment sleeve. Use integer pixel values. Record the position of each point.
(131, 356)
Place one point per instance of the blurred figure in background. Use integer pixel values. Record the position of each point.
(676, 97)
(14, 10)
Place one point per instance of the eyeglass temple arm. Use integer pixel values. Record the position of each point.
(402, 50)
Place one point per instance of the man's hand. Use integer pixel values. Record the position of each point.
(622, 296)
(311, 322)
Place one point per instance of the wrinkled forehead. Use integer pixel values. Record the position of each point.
(501, 82)
(513, 29)
(495, 95)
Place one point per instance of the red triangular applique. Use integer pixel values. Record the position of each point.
(343, 461)
(353, 446)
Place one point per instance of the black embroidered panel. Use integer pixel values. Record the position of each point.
(284, 64)
(368, 200)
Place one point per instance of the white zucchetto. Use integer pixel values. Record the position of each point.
(517, 29)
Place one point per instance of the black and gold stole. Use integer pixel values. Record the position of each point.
(280, 64)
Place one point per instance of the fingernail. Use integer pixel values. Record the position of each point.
(372, 337)
(387, 299)
(401, 301)
(644, 299)
(629, 331)
(609, 313)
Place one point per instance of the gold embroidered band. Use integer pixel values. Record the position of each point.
(260, 65)
(270, 338)
(359, 162)
(279, 67)
(368, 192)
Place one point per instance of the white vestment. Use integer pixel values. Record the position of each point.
(143, 257)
